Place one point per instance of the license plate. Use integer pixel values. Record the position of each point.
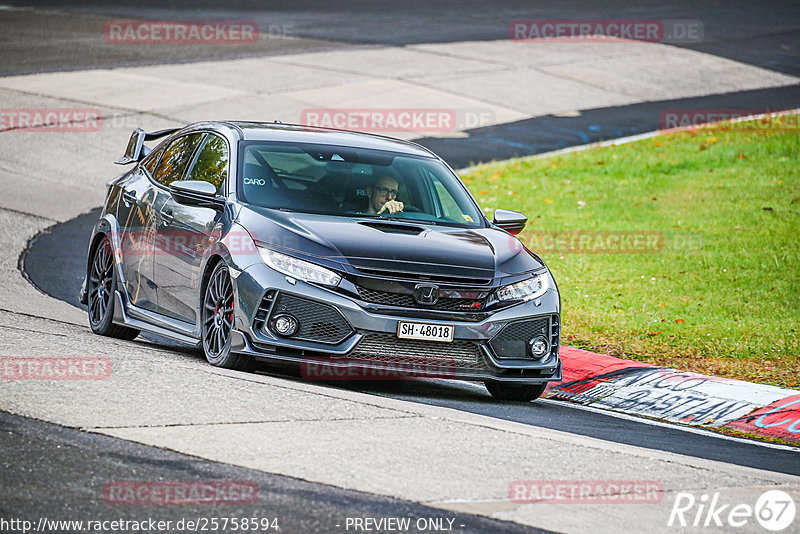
(427, 331)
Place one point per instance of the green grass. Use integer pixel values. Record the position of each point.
(721, 292)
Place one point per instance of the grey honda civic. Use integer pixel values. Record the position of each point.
(353, 256)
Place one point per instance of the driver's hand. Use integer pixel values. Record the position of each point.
(392, 205)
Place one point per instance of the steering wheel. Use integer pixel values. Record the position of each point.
(407, 208)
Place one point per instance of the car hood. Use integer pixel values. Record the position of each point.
(379, 246)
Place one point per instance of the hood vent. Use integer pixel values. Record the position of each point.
(394, 228)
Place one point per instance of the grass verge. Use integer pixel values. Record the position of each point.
(681, 250)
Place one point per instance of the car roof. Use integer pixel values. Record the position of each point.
(297, 133)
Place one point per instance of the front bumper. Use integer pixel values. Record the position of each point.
(363, 344)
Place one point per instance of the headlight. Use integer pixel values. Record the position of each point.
(297, 268)
(526, 290)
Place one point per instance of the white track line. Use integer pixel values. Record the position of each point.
(639, 419)
(653, 422)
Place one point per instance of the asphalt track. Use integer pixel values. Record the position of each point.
(61, 275)
(757, 33)
(69, 38)
(72, 469)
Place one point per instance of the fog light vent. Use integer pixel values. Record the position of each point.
(316, 321)
(514, 340)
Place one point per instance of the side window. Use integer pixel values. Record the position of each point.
(150, 161)
(176, 157)
(211, 164)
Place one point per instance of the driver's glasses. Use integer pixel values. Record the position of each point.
(383, 191)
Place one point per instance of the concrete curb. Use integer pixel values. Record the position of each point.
(642, 389)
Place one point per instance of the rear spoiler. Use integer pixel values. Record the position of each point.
(136, 149)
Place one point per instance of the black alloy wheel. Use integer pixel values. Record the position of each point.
(101, 285)
(217, 317)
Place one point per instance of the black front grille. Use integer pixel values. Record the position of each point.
(391, 350)
(512, 340)
(446, 304)
(407, 301)
(424, 277)
(386, 298)
(319, 322)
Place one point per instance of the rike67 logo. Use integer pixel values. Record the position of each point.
(774, 510)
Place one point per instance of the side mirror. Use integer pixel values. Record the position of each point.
(134, 150)
(196, 193)
(512, 222)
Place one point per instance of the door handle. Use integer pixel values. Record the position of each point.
(128, 198)
(167, 217)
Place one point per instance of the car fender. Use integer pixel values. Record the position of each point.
(107, 225)
(238, 247)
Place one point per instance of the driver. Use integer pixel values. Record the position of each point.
(383, 195)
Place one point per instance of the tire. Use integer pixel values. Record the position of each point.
(101, 285)
(216, 315)
(510, 392)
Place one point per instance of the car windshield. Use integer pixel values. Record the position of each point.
(345, 181)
